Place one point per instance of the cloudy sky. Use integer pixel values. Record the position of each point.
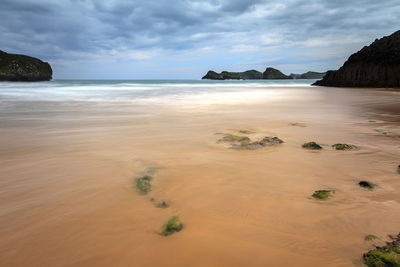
(182, 39)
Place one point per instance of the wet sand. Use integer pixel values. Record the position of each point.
(67, 169)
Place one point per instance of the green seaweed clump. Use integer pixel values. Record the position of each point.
(381, 258)
(162, 204)
(152, 170)
(323, 194)
(171, 226)
(344, 147)
(380, 131)
(370, 237)
(231, 138)
(311, 145)
(265, 142)
(388, 255)
(367, 185)
(299, 124)
(270, 141)
(245, 132)
(143, 184)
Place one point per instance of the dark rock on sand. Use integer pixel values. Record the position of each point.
(299, 124)
(274, 74)
(246, 132)
(173, 225)
(239, 142)
(380, 131)
(143, 184)
(370, 237)
(376, 65)
(366, 184)
(312, 145)
(323, 194)
(344, 147)
(23, 68)
(162, 204)
(398, 169)
(226, 75)
(231, 138)
(265, 142)
(388, 255)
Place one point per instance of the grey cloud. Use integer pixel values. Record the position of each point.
(55, 29)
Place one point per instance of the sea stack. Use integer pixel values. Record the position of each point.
(274, 74)
(227, 75)
(376, 65)
(23, 68)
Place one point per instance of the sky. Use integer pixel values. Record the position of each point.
(183, 39)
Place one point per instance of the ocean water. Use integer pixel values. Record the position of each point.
(137, 90)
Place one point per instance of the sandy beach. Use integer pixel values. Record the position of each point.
(68, 169)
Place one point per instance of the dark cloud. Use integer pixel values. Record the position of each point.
(251, 29)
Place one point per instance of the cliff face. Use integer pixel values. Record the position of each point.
(274, 74)
(376, 65)
(23, 68)
(226, 75)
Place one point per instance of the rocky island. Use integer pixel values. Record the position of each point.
(269, 74)
(274, 74)
(376, 65)
(23, 68)
(308, 75)
(226, 75)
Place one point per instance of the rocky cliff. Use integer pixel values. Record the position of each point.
(23, 68)
(274, 74)
(226, 75)
(376, 65)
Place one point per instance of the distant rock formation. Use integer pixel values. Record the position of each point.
(274, 74)
(269, 74)
(225, 75)
(308, 75)
(212, 75)
(376, 65)
(23, 68)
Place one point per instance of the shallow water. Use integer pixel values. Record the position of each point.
(70, 150)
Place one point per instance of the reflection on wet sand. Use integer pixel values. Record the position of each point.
(68, 172)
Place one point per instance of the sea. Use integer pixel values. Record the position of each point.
(136, 90)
